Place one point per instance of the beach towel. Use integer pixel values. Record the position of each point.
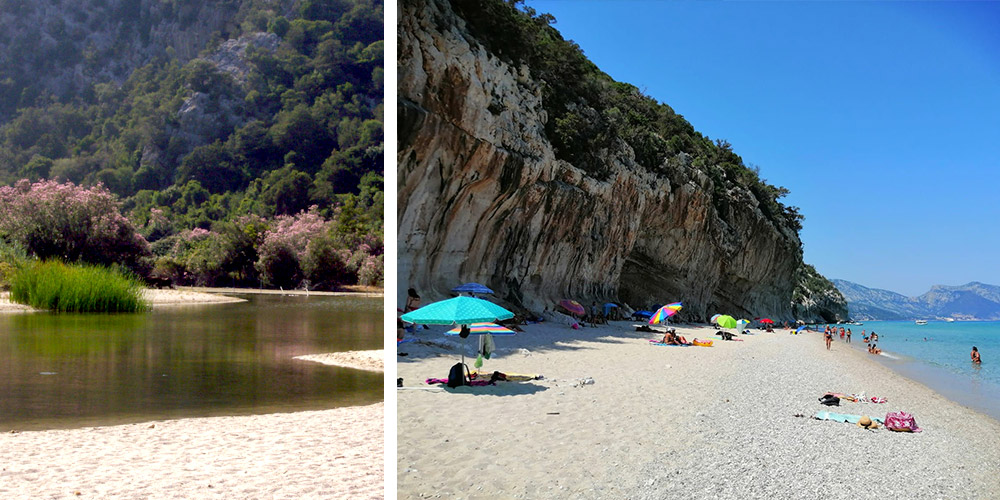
(405, 341)
(734, 339)
(509, 377)
(842, 417)
(445, 381)
(657, 342)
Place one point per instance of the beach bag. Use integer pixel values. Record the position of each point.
(829, 400)
(901, 421)
(457, 375)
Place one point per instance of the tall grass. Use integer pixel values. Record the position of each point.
(62, 287)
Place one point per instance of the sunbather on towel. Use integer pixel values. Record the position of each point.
(671, 337)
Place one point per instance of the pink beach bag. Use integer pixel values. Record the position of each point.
(901, 421)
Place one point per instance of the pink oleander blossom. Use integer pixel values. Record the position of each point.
(70, 222)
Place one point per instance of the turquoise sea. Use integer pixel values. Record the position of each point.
(937, 355)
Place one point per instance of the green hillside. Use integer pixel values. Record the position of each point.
(267, 119)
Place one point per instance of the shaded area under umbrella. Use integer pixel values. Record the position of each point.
(459, 310)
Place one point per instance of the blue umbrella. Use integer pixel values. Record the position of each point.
(459, 310)
(472, 288)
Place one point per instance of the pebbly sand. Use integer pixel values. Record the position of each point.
(677, 422)
(334, 453)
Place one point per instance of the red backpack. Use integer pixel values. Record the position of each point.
(901, 421)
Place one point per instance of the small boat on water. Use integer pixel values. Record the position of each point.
(921, 321)
(950, 320)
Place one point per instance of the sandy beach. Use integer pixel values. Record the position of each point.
(361, 360)
(157, 297)
(678, 422)
(337, 453)
(334, 453)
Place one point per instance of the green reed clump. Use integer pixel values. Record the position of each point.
(61, 287)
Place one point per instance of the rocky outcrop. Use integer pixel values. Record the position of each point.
(816, 299)
(482, 197)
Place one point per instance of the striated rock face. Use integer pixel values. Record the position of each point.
(483, 198)
(816, 299)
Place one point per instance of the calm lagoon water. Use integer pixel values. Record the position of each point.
(73, 370)
(942, 360)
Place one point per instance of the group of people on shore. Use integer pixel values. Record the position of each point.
(845, 335)
(828, 334)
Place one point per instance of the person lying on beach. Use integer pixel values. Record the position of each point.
(671, 337)
(725, 335)
(975, 356)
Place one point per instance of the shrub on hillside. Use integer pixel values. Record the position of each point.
(71, 223)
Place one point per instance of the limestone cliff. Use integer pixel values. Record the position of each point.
(485, 196)
(816, 299)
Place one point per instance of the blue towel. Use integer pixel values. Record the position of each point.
(842, 417)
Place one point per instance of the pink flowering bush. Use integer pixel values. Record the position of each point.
(286, 248)
(72, 223)
(371, 271)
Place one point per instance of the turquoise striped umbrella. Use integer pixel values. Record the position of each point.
(458, 311)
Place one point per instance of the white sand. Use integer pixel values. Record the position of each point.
(361, 360)
(319, 454)
(678, 422)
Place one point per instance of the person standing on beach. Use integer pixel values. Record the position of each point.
(975, 356)
(413, 303)
(848, 335)
(828, 336)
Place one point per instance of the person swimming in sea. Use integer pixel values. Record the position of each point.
(975, 356)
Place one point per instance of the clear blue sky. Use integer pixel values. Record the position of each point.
(882, 118)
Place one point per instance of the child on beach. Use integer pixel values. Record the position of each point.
(975, 356)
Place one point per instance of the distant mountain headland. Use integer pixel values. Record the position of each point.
(972, 301)
(524, 167)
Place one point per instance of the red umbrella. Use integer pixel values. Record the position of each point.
(767, 321)
(572, 306)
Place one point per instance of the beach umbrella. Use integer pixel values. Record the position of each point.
(725, 321)
(472, 288)
(664, 312)
(572, 306)
(457, 311)
(767, 321)
(742, 324)
(799, 329)
(482, 329)
(713, 318)
(608, 307)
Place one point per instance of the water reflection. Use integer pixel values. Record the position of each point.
(61, 370)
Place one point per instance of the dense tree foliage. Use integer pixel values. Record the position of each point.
(209, 155)
(590, 113)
